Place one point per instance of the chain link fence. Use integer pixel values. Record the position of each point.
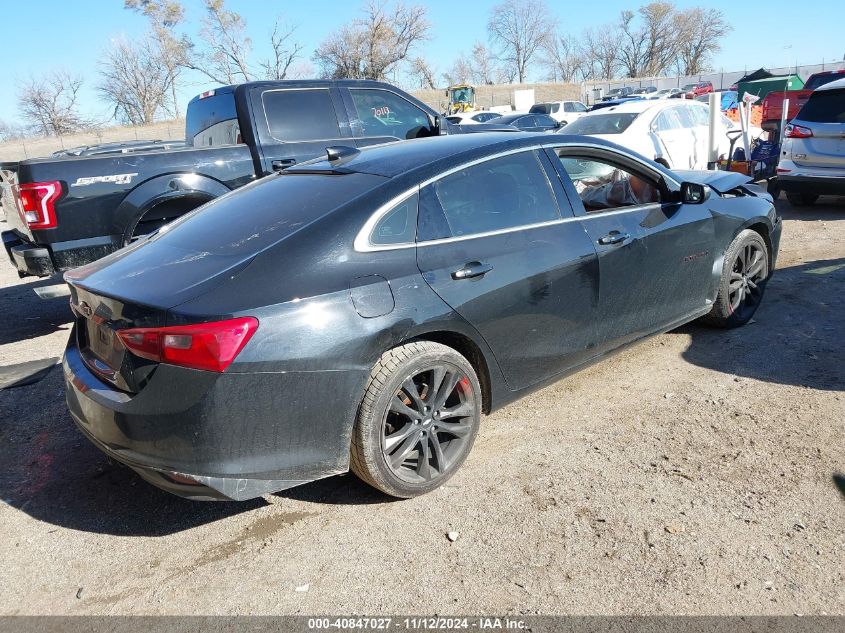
(20, 149)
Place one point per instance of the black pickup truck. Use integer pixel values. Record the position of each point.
(68, 211)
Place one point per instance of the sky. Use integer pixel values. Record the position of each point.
(73, 35)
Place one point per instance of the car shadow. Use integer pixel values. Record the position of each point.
(26, 316)
(797, 336)
(54, 474)
(828, 208)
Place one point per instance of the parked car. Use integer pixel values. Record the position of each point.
(691, 91)
(645, 92)
(772, 103)
(666, 93)
(562, 111)
(616, 93)
(600, 105)
(67, 211)
(673, 133)
(363, 311)
(471, 118)
(529, 122)
(812, 160)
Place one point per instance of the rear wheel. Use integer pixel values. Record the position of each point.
(802, 199)
(418, 419)
(744, 274)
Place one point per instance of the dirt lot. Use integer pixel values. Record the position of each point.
(691, 474)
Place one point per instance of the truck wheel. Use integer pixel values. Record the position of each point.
(745, 271)
(161, 214)
(802, 199)
(417, 421)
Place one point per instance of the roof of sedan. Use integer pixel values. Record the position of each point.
(393, 159)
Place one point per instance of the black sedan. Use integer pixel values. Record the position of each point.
(529, 122)
(363, 311)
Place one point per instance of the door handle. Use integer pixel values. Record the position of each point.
(282, 164)
(472, 269)
(614, 237)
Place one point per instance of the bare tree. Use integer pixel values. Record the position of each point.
(700, 34)
(49, 103)
(600, 51)
(285, 52)
(485, 69)
(649, 39)
(461, 71)
(372, 46)
(10, 131)
(225, 59)
(519, 28)
(562, 59)
(423, 73)
(135, 80)
(164, 16)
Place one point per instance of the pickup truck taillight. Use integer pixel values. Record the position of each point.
(210, 346)
(798, 131)
(38, 203)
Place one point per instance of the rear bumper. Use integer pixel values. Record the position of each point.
(46, 260)
(27, 258)
(821, 185)
(209, 436)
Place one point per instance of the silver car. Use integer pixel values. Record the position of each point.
(812, 160)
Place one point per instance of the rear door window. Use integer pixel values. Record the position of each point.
(824, 106)
(383, 113)
(497, 194)
(300, 115)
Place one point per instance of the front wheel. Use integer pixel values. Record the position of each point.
(418, 419)
(744, 274)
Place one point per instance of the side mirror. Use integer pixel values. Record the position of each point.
(436, 126)
(694, 193)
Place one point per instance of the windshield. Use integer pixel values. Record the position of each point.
(689, 87)
(611, 123)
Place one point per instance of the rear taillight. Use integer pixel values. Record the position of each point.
(37, 203)
(210, 346)
(798, 131)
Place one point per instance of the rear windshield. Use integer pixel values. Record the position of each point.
(611, 123)
(250, 219)
(819, 80)
(212, 121)
(825, 106)
(541, 108)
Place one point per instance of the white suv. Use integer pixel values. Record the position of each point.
(812, 159)
(562, 111)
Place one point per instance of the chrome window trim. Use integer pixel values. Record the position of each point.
(362, 242)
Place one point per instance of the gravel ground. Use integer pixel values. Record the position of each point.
(691, 474)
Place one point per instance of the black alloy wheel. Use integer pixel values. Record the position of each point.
(428, 422)
(747, 276)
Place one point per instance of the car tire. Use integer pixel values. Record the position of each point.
(745, 271)
(403, 444)
(802, 199)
